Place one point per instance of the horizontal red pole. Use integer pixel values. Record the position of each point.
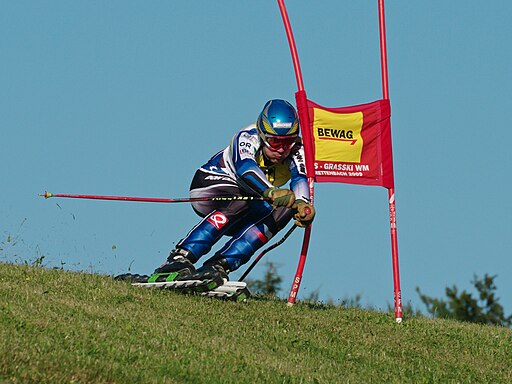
(47, 195)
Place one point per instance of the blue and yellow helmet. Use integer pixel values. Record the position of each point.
(278, 118)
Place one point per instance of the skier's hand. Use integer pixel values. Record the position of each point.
(305, 213)
(280, 197)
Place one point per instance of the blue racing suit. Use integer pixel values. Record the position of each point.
(242, 170)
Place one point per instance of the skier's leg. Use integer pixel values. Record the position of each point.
(247, 241)
(218, 218)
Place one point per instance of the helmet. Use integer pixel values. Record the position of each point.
(278, 118)
(278, 124)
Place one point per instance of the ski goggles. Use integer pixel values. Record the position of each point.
(280, 142)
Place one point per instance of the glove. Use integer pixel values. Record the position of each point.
(305, 213)
(280, 197)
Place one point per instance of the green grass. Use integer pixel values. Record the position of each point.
(63, 327)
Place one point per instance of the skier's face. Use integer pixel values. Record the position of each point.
(278, 148)
(276, 155)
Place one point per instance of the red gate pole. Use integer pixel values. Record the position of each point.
(391, 191)
(301, 100)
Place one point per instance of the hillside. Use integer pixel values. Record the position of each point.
(59, 326)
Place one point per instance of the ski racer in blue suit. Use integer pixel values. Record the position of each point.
(259, 161)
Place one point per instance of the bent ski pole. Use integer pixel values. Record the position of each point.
(271, 247)
(47, 195)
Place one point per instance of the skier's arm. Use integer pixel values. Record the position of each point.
(305, 212)
(243, 149)
(299, 182)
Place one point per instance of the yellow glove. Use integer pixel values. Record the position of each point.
(305, 213)
(280, 197)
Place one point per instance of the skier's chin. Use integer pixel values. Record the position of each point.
(276, 158)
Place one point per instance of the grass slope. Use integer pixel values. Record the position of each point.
(59, 326)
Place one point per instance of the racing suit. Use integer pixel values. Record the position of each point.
(242, 170)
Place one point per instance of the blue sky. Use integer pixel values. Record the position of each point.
(130, 97)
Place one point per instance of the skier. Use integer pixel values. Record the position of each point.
(260, 160)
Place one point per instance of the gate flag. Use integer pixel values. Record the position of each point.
(347, 145)
(351, 144)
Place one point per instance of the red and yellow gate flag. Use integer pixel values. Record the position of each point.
(350, 144)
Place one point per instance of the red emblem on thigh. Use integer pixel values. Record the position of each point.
(218, 220)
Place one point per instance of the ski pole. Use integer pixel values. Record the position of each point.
(271, 247)
(47, 195)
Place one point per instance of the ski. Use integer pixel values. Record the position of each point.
(229, 290)
(185, 285)
(217, 288)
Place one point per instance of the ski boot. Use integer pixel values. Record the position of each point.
(211, 269)
(207, 278)
(178, 265)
